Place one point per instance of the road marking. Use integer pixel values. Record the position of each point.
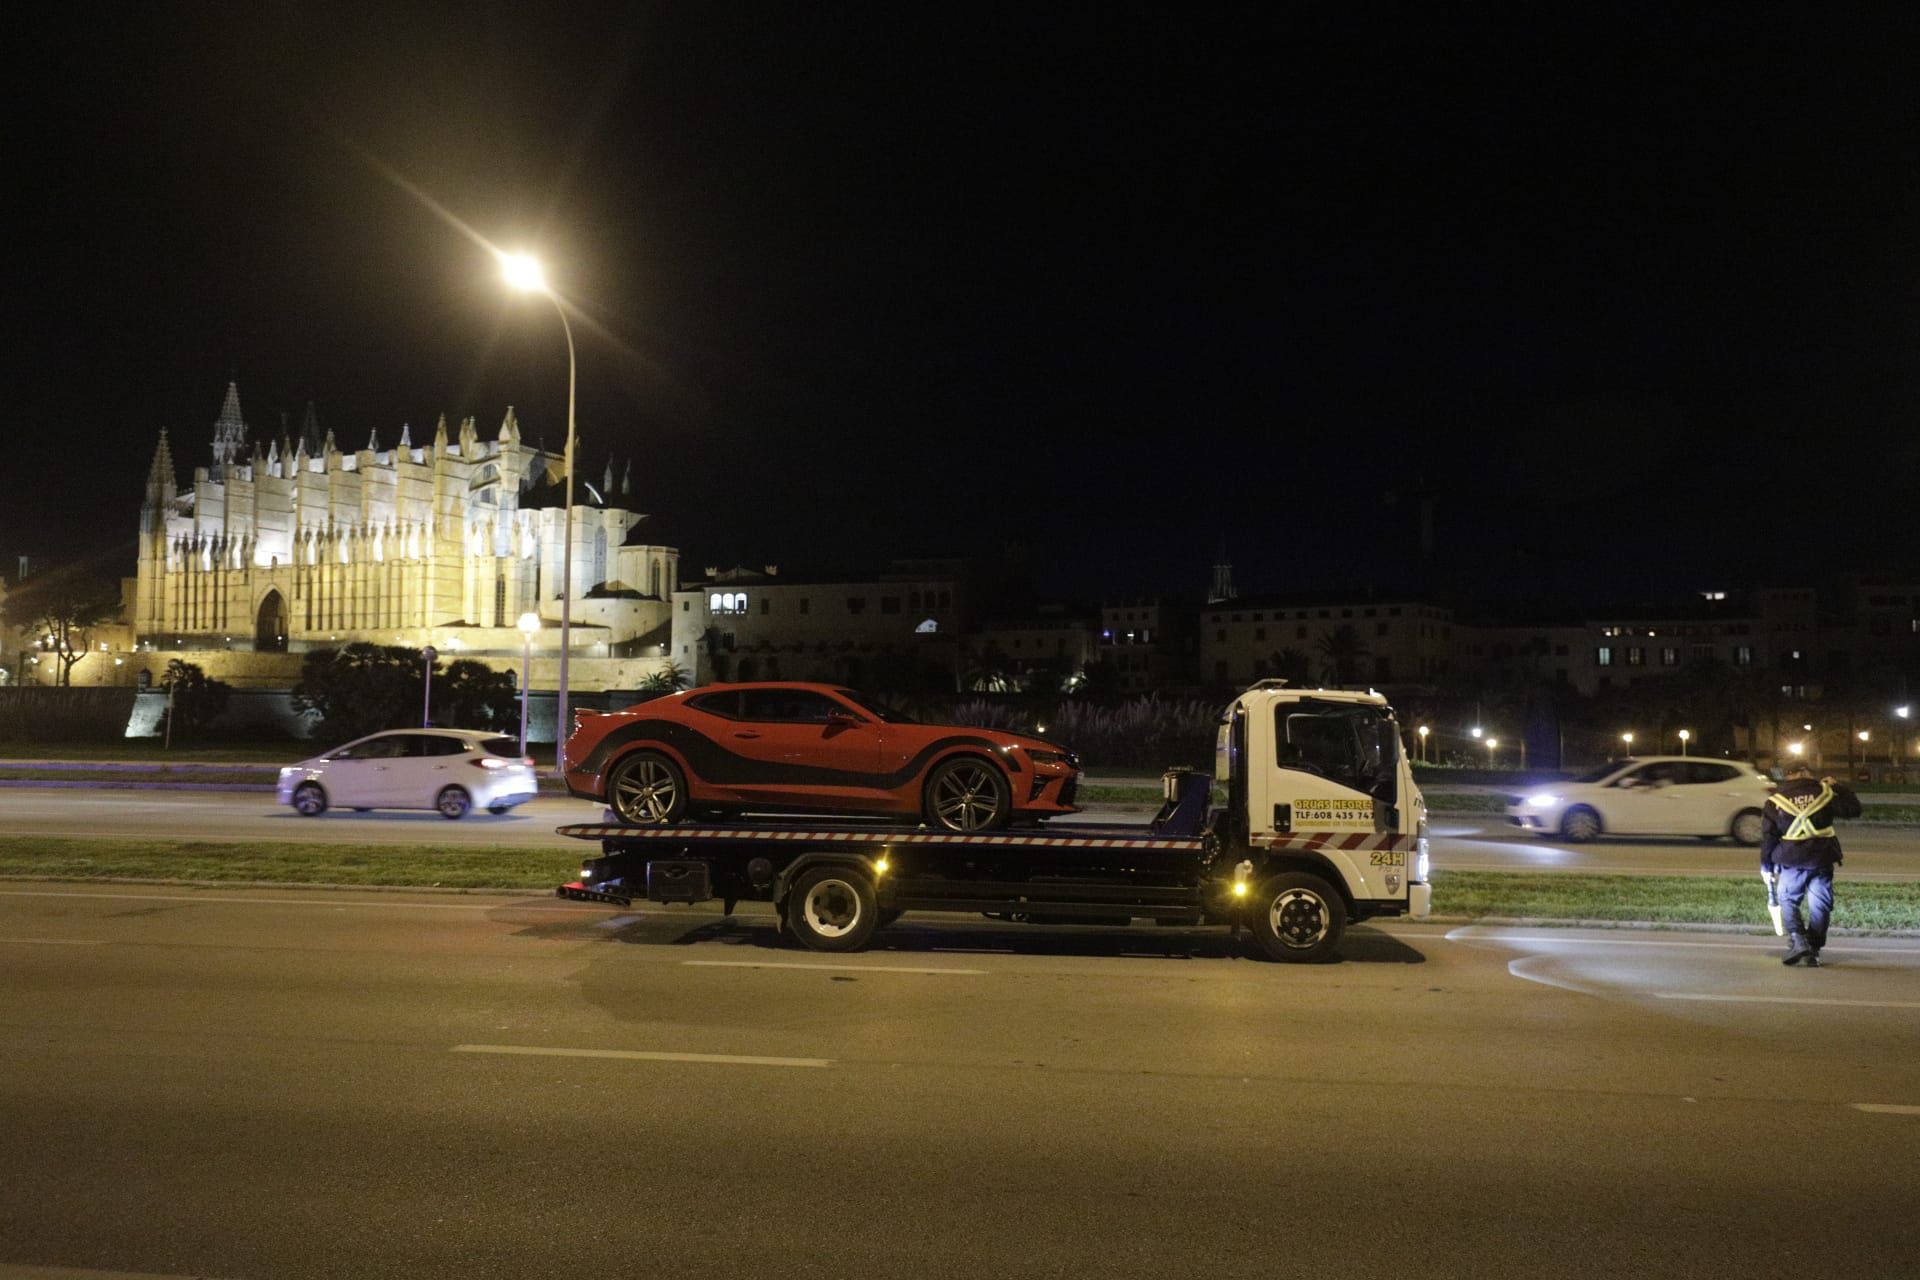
(1886, 1109)
(1845, 1004)
(8, 1271)
(640, 1055)
(264, 902)
(1466, 933)
(53, 942)
(827, 968)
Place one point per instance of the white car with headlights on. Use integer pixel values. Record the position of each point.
(1652, 796)
(449, 770)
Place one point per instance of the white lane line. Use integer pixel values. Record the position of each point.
(639, 1055)
(53, 942)
(1886, 1109)
(1844, 1004)
(1466, 933)
(827, 968)
(270, 902)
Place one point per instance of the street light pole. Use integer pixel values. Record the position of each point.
(529, 623)
(427, 654)
(524, 273)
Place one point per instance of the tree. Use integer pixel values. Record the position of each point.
(668, 679)
(472, 695)
(359, 689)
(1291, 665)
(193, 700)
(1341, 651)
(58, 611)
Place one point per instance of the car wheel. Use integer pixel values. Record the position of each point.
(453, 802)
(1580, 825)
(497, 809)
(832, 909)
(1298, 918)
(309, 801)
(968, 794)
(1748, 826)
(647, 790)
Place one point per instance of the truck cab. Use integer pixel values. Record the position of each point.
(1319, 784)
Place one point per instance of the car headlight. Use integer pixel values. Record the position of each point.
(1542, 800)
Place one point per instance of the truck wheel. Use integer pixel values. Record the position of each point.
(309, 801)
(968, 794)
(647, 790)
(1298, 918)
(1748, 826)
(832, 909)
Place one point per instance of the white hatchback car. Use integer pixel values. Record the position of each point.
(1652, 796)
(451, 770)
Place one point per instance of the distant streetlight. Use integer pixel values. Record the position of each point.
(1686, 736)
(1423, 731)
(524, 272)
(1476, 731)
(427, 655)
(529, 624)
(1903, 711)
(1796, 749)
(1627, 738)
(1493, 745)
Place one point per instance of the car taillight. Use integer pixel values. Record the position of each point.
(527, 761)
(489, 762)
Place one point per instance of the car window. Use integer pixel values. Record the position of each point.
(432, 744)
(500, 747)
(382, 748)
(1705, 771)
(788, 705)
(718, 704)
(1601, 774)
(876, 708)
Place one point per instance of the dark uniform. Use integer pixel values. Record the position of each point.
(1799, 850)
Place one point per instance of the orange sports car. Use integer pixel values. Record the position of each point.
(812, 748)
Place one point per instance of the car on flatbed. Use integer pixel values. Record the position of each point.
(790, 747)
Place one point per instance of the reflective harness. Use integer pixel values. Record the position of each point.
(1801, 810)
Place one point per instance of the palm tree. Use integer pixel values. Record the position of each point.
(668, 679)
(1340, 653)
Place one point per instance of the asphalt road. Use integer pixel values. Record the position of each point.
(283, 1084)
(1873, 852)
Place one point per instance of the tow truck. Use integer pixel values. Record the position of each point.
(1321, 826)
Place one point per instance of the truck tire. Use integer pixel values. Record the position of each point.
(1298, 918)
(647, 790)
(832, 908)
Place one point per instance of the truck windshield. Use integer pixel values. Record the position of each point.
(1354, 744)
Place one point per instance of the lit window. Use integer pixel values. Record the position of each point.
(1604, 655)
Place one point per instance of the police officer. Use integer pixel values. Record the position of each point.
(1798, 852)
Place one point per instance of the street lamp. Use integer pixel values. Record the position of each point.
(1627, 738)
(523, 272)
(1796, 749)
(1686, 736)
(1476, 731)
(427, 655)
(1423, 731)
(1493, 744)
(529, 623)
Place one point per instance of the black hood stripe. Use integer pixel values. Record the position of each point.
(716, 764)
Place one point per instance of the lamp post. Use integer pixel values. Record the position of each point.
(1686, 736)
(1903, 712)
(524, 273)
(1493, 745)
(529, 623)
(1627, 738)
(1423, 731)
(427, 655)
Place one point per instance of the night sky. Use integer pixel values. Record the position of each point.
(1634, 295)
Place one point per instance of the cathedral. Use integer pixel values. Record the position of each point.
(290, 544)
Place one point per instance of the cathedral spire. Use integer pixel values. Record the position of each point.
(229, 429)
(510, 428)
(310, 430)
(160, 477)
(626, 480)
(406, 436)
(373, 440)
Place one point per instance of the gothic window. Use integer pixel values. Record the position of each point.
(499, 599)
(599, 556)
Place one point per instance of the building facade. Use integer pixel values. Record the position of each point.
(297, 544)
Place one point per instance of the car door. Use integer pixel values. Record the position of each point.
(1636, 803)
(805, 748)
(1712, 792)
(362, 776)
(431, 762)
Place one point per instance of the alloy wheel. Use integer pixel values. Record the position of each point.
(966, 797)
(646, 791)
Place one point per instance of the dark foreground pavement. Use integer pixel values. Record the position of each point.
(273, 1083)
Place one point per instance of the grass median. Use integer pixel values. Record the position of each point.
(1678, 900)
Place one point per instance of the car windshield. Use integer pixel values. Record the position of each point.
(1355, 744)
(876, 708)
(1601, 774)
